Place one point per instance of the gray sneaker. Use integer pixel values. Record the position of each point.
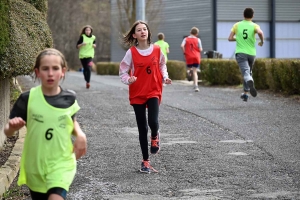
(253, 91)
(196, 89)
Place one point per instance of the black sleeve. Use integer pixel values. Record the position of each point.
(79, 41)
(20, 107)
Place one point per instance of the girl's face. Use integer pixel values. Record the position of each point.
(50, 72)
(87, 31)
(141, 32)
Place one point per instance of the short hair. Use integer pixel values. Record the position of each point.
(248, 13)
(194, 31)
(160, 36)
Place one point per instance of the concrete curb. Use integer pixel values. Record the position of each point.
(10, 169)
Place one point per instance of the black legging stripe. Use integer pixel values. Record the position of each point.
(140, 114)
(87, 69)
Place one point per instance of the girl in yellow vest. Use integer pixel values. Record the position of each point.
(86, 45)
(144, 69)
(48, 163)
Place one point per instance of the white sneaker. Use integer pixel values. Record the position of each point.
(196, 89)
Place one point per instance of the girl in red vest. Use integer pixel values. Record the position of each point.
(143, 68)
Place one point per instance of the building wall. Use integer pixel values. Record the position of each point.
(287, 29)
(4, 107)
(178, 17)
(176, 20)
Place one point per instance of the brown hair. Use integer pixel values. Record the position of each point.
(248, 13)
(83, 29)
(46, 52)
(194, 31)
(160, 36)
(129, 40)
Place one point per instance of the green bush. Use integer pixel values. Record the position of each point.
(4, 25)
(176, 69)
(29, 33)
(220, 72)
(107, 68)
(260, 74)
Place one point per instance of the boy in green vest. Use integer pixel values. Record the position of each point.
(243, 33)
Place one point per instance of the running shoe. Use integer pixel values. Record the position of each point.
(253, 91)
(145, 166)
(196, 89)
(155, 144)
(88, 85)
(244, 97)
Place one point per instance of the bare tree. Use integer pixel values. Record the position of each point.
(126, 15)
(66, 19)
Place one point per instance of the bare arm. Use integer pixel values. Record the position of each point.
(13, 125)
(80, 143)
(260, 35)
(231, 37)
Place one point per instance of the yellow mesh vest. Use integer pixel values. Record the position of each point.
(48, 147)
(88, 50)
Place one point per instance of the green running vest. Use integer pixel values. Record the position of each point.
(245, 38)
(48, 147)
(88, 50)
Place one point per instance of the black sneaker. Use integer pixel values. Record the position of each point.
(244, 97)
(253, 91)
(155, 144)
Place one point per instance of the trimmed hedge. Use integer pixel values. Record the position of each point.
(274, 74)
(107, 68)
(4, 25)
(176, 69)
(29, 33)
(220, 72)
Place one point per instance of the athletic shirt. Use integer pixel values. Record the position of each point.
(192, 52)
(163, 46)
(87, 51)
(245, 37)
(48, 144)
(149, 81)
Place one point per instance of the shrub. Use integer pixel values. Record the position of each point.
(107, 68)
(176, 69)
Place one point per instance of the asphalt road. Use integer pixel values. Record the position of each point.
(213, 145)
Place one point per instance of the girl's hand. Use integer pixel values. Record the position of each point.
(83, 44)
(132, 79)
(94, 45)
(168, 81)
(16, 123)
(80, 146)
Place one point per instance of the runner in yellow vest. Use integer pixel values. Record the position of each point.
(86, 45)
(48, 163)
(243, 33)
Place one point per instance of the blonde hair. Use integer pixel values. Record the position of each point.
(194, 31)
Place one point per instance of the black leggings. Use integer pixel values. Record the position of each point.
(87, 68)
(140, 114)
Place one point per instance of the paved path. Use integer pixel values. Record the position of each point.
(214, 145)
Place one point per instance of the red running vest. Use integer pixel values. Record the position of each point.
(149, 78)
(192, 53)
